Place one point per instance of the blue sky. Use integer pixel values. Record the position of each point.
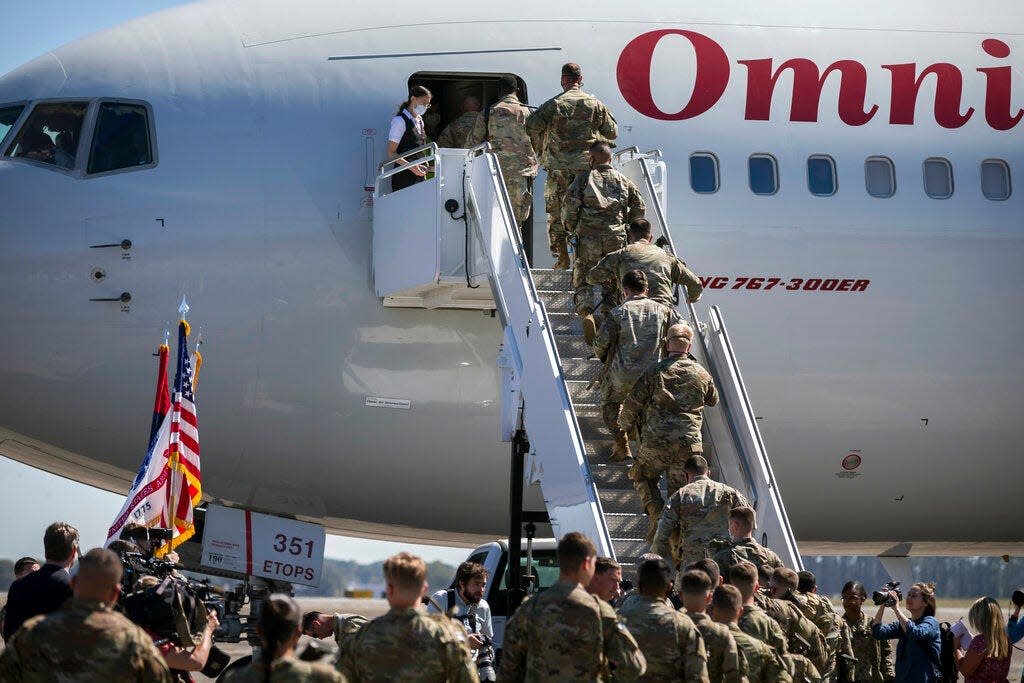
(31, 499)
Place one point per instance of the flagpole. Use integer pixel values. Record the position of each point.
(176, 424)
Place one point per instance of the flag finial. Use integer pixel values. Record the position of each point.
(183, 308)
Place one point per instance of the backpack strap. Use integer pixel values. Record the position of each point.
(450, 594)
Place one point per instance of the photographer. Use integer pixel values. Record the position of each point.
(465, 603)
(179, 659)
(917, 652)
(1015, 626)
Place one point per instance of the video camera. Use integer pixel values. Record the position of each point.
(882, 597)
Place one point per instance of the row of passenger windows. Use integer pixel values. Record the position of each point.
(822, 179)
(52, 134)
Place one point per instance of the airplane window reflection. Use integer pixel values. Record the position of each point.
(938, 178)
(821, 175)
(8, 117)
(764, 174)
(50, 135)
(995, 179)
(879, 177)
(703, 173)
(121, 139)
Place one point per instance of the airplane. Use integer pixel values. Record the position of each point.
(840, 177)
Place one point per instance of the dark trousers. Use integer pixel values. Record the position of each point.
(404, 179)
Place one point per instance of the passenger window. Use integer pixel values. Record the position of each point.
(821, 175)
(121, 139)
(50, 135)
(938, 178)
(995, 179)
(8, 117)
(764, 174)
(880, 177)
(704, 172)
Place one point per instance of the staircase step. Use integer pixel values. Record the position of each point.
(581, 369)
(609, 477)
(627, 550)
(574, 347)
(580, 394)
(620, 501)
(557, 280)
(565, 324)
(556, 301)
(626, 525)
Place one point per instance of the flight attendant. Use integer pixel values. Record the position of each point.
(407, 132)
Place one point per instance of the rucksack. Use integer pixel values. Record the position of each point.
(946, 666)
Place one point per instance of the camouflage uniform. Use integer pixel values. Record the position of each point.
(286, 670)
(732, 552)
(596, 208)
(756, 623)
(802, 636)
(802, 669)
(724, 662)
(696, 513)
(464, 132)
(506, 130)
(84, 641)
(671, 643)
(661, 268)
(764, 664)
(562, 130)
(566, 634)
(828, 623)
(669, 396)
(629, 341)
(875, 659)
(408, 645)
(346, 626)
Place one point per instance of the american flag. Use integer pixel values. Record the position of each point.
(185, 490)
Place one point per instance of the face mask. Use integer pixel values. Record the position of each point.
(420, 109)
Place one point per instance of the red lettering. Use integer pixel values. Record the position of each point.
(633, 73)
(704, 281)
(997, 88)
(861, 285)
(807, 87)
(948, 90)
(719, 282)
(829, 284)
(845, 285)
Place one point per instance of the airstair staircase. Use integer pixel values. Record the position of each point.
(476, 260)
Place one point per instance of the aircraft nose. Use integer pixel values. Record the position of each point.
(42, 77)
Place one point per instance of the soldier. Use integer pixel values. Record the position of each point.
(875, 659)
(606, 580)
(803, 639)
(755, 621)
(628, 342)
(506, 131)
(784, 586)
(661, 268)
(808, 586)
(562, 130)
(565, 633)
(466, 131)
(672, 645)
(85, 640)
(742, 547)
(724, 661)
(406, 643)
(632, 594)
(709, 567)
(279, 631)
(669, 396)
(339, 626)
(764, 663)
(596, 208)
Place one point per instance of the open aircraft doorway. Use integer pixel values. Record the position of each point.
(450, 90)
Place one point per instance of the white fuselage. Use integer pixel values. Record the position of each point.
(257, 210)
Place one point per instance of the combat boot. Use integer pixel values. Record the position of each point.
(621, 452)
(653, 515)
(562, 254)
(589, 328)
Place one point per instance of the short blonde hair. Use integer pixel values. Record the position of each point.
(987, 619)
(405, 571)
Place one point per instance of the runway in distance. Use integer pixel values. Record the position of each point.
(842, 178)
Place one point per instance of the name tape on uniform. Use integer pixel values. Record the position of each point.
(263, 545)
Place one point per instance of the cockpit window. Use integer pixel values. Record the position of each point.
(50, 135)
(121, 139)
(8, 117)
